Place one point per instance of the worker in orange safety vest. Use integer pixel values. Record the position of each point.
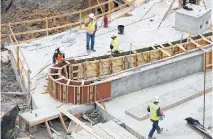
(59, 55)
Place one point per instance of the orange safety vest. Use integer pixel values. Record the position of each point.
(59, 57)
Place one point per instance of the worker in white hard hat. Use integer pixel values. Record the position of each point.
(115, 44)
(59, 55)
(91, 28)
(155, 114)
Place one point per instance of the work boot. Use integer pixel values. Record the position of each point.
(151, 137)
(160, 130)
(93, 50)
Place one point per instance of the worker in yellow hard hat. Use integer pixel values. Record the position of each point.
(91, 28)
(115, 44)
(155, 116)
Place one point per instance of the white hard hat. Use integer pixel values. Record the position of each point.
(92, 16)
(113, 34)
(156, 99)
(61, 49)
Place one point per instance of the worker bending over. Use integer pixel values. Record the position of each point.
(114, 46)
(59, 55)
(155, 115)
(91, 28)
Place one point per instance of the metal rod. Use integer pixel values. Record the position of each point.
(204, 90)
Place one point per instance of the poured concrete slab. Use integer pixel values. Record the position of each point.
(172, 98)
(174, 120)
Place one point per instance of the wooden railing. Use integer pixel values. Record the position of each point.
(47, 29)
(21, 64)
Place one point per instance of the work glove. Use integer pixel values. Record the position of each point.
(111, 47)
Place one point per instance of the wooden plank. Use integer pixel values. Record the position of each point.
(204, 38)
(162, 46)
(62, 122)
(164, 51)
(102, 133)
(48, 29)
(52, 74)
(153, 47)
(58, 68)
(181, 47)
(83, 125)
(48, 129)
(60, 78)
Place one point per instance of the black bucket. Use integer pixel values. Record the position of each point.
(120, 29)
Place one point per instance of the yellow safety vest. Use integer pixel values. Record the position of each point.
(91, 26)
(115, 43)
(153, 112)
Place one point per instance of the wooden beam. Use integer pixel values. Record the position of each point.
(153, 47)
(161, 46)
(83, 125)
(169, 43)
(48, 29)
(196, 44)
(48, 129)
(204, 38)
(62, 122)
(52, 74)
(181, 47)
(60, 78)
(164, 51)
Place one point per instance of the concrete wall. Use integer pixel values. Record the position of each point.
(158, 73)
(20, 80)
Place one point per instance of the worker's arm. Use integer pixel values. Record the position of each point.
(148, 109)
(54, 57)
(96, 27)
(87, 21)
(64, 56)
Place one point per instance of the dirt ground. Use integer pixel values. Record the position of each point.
(8, 80)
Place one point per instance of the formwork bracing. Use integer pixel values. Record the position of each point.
(87, 80)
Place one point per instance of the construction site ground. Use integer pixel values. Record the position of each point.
(174, 124)
(140, 31)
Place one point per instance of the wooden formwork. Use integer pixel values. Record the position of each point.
(78, 81)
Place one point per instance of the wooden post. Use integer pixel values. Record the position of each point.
(28, 87)
(47, 26)
(109, 9)
(17, 54)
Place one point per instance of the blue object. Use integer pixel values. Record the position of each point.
(162, 117)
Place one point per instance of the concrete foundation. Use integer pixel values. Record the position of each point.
(158, 73)
(197, 20)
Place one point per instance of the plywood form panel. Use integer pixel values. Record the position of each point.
(103, 91)
(71, 95)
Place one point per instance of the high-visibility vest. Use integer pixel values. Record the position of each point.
(153, 112)
(59, 57)
(91, 26)
(115, 43)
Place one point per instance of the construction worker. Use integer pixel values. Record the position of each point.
(114, 46)
(155, 115)
(58, 55)
(91, 28)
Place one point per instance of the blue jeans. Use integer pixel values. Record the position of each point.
(92, 38)
(154, 127)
